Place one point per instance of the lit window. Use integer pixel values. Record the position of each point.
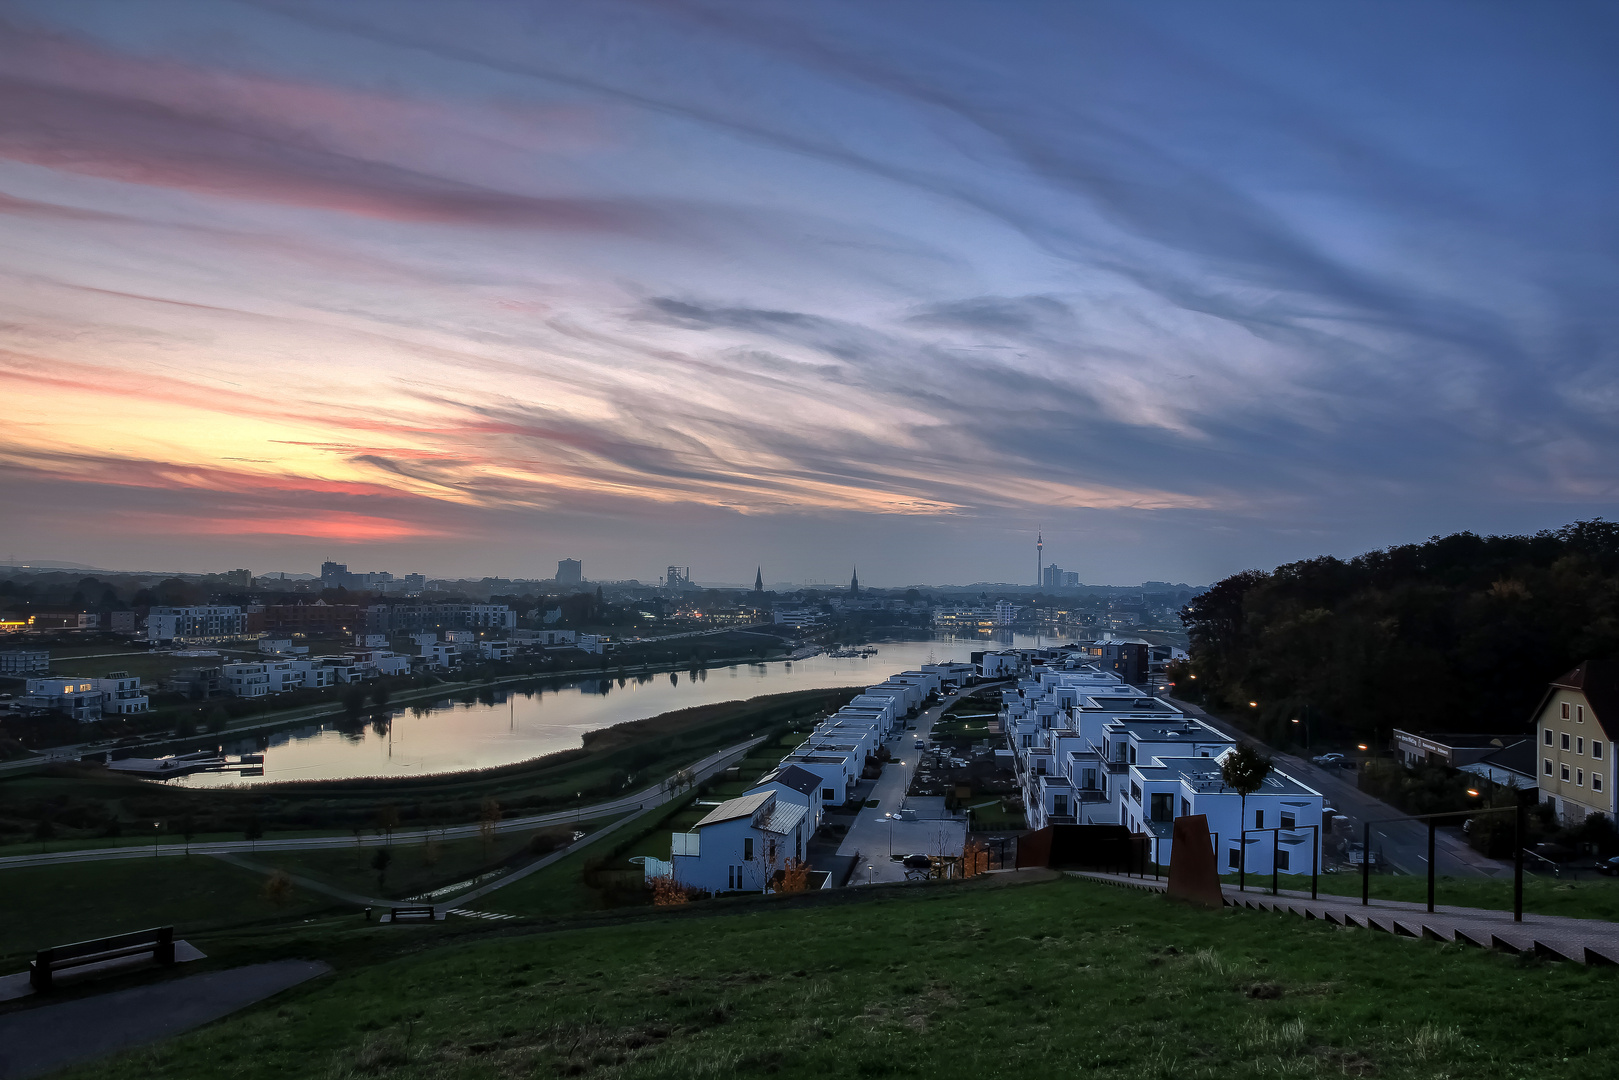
(1565, 710)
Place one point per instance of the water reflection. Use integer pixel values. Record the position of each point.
(491, 725)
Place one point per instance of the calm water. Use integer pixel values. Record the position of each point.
(446, 736)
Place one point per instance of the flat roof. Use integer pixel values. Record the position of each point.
(1207, 770)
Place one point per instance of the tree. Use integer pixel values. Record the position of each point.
(380, 694)
(489, 816)
(354, 701)
(278, 888)
(1243, 771)
(188, 829)
(217, 718)
(379, 863)
(388, 821)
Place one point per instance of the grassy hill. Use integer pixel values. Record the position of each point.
(1056, 977)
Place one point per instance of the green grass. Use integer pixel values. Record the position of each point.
(1591, 898)
(55, 905)
(1064, 978)
(415, 867)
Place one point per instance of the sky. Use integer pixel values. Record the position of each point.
(466, 289)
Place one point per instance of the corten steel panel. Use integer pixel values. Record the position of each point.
(1034, 849)
(1193, 875)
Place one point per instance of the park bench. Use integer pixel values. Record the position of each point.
(47, 962)
(422, 913)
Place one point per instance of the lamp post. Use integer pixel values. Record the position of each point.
(156, 825)
(1306, 734)
(890, 818)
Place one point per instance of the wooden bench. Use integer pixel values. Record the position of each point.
(158, 941)
(412, 914)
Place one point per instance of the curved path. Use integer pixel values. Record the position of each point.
(646, 799)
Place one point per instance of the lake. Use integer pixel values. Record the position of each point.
(529, 721)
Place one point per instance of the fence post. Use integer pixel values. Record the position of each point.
(1517, 857)
(1242, 863)
(1366, 865)
(1315, 863)
(1275, 871)
(1431, 827)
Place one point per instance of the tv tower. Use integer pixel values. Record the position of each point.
(1039, 556)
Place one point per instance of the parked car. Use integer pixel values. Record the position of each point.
(918, 862)
(1330, 761)
(920, 745)
(1609, 867)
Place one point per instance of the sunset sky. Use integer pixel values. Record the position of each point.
(465, 288)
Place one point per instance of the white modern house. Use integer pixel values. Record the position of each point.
(837, 773)
(1278, 818)
(741, 844)
(79, 698)
(795, 785)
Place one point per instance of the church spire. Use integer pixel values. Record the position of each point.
(759, 580)
(854, 583)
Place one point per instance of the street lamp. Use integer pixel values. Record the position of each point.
(890, 818)
(868, 873)
(156, 825)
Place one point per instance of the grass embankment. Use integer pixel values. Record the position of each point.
(1059, 978)
(55, 905)
(1592, 898)
(86, 802)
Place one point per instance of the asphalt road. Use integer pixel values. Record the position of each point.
(650, 797)
(1403, 842)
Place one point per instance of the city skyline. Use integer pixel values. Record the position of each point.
(411, 286)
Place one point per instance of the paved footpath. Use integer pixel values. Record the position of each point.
(1585, 941)
(51, 1037)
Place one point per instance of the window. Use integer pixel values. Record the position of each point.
(1548, 766)
(1233, 861)
(1579, 777)
(1059, 805)
(1579, 714)
(1259, 819)
(1163, 806)
(1564, 776)
(1566, 738)
(1565, 710)
(1596, 781)
(1281, 859)
(1596, 748)
(1132, 755)
(1579, 745)
(730, 877)
(1287, 819)
(1135, 792)
(1548, 733)
(828, 795)
(747, 849)
(1090, 779)
(1186, 808)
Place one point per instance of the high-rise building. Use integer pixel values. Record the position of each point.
(570, 572)
(1053, 576)
(334, 575)
(678, 577)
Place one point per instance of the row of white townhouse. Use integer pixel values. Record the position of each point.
(1090, 748)
(742, 844)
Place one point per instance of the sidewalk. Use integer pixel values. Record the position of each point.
(1584, 941)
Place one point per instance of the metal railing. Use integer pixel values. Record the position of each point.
(1517, 850)
(1275, 848)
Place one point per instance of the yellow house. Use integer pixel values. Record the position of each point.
(1576, 749)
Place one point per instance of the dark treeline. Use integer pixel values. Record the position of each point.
(1461, 633)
